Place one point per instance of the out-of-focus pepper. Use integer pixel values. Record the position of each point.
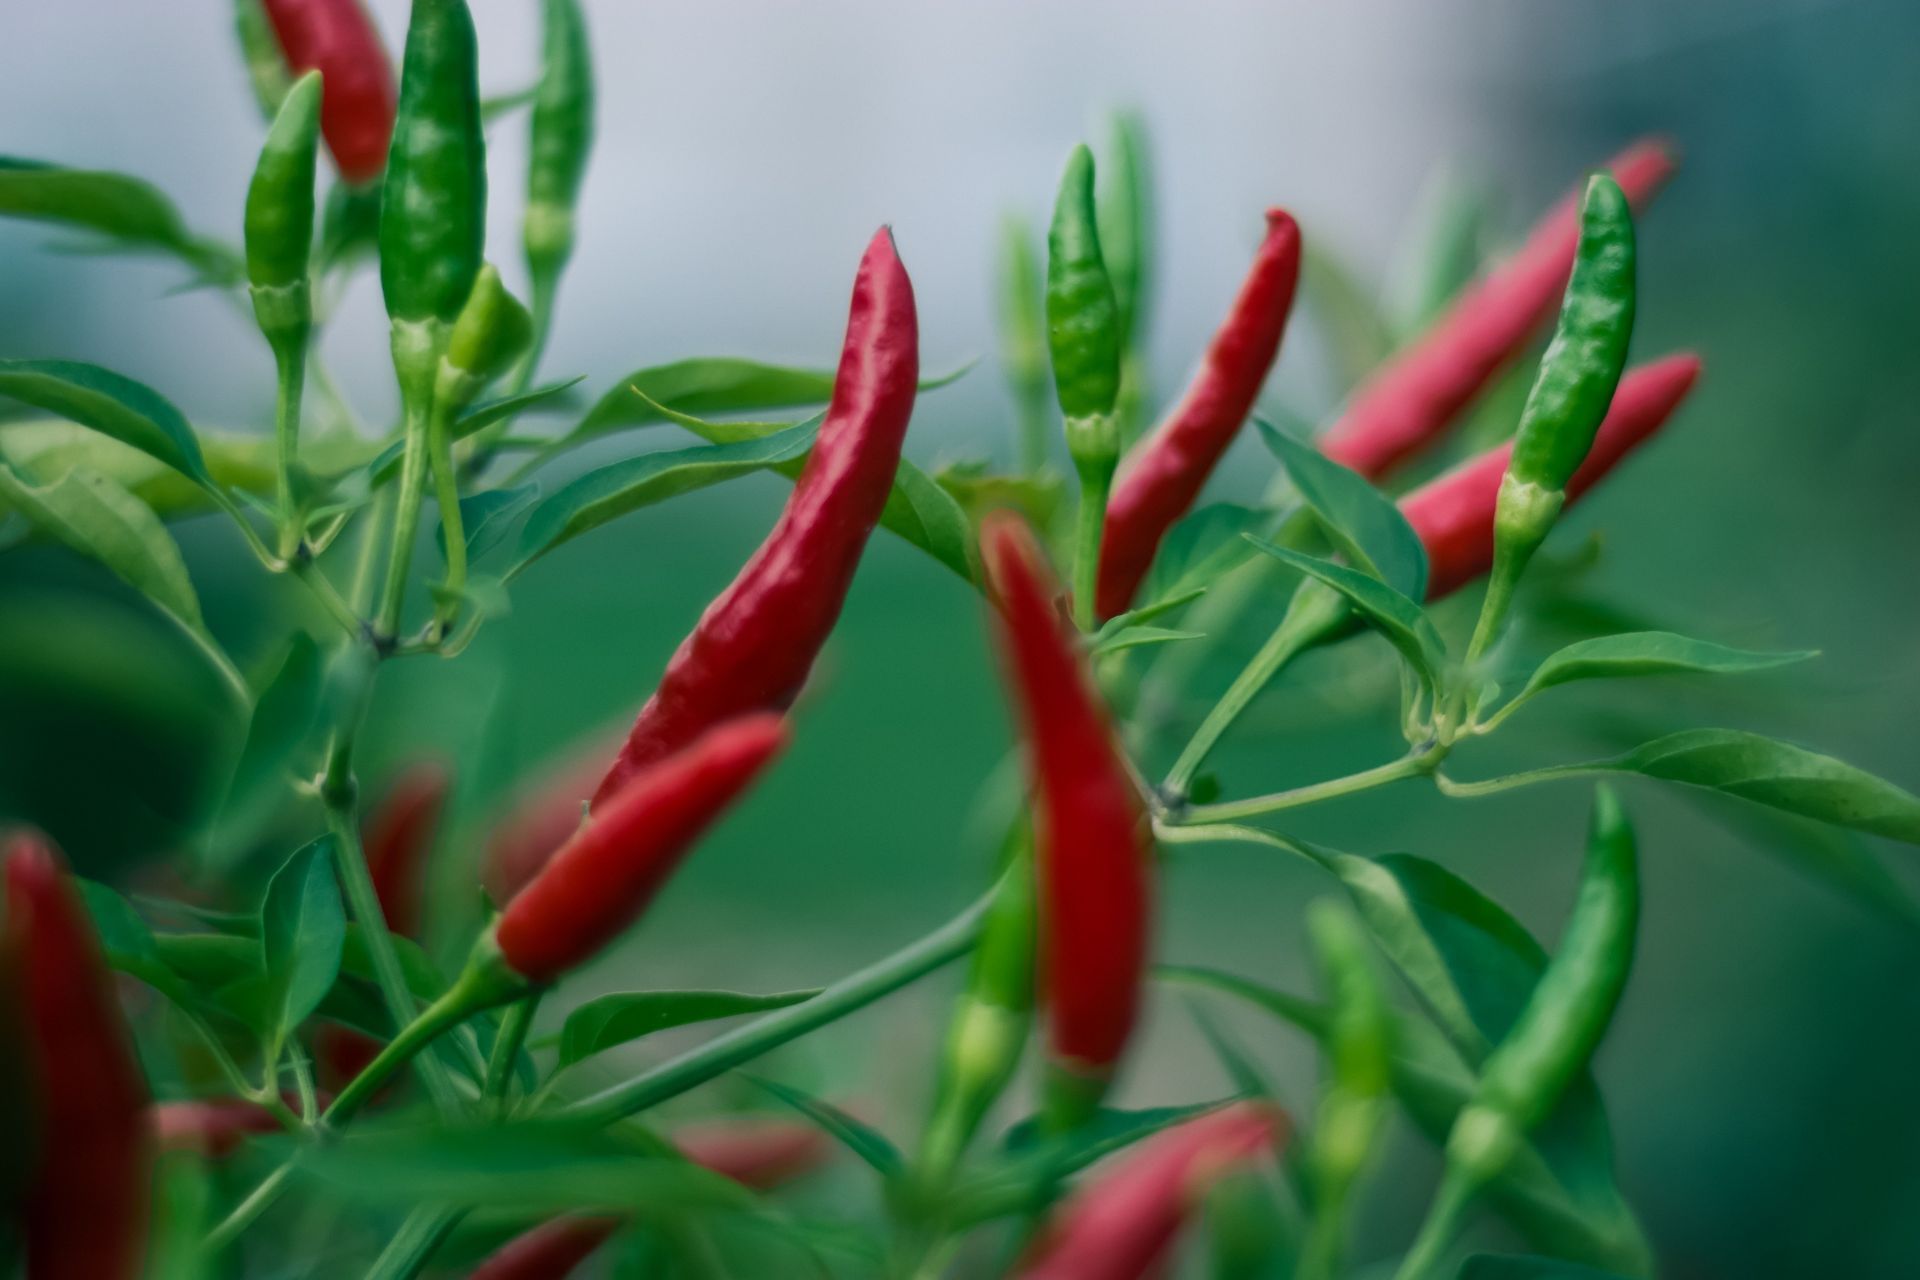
(338, 39)
(211, 1127)
(755, 644)
(1092, 838)
(267, 73)
(87, 1209)
(541, 817)
(562, 136)
(1121, 1226)
(1164, 474)
(595, 886)
(1418, 394)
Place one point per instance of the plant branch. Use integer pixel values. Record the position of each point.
(1407, 766)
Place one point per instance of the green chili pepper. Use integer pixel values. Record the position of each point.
(279, 218)
(1023, 339)
(562, 135)
(991, 1020)
(1083, 333)
(266, 68)
(1577, 377)
(1125, 219)
(433, 204)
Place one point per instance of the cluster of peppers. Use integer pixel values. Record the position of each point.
(1067, 931)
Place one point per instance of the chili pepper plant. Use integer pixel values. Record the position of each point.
(263, 1069)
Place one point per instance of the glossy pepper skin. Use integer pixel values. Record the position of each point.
(1121, 1226)
(1093, 842)
(1570, 1008)
(1453, 513)
(87, 1209)
(1083, 316)
(338, 39)
(755, 644)
(604, 877)
(279, 219)
(433, 206)
(1419, 392)
(561, 138)
(1162, 476)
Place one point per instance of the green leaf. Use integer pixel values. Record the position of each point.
(127, 211)
(1121, 639)
(713, 385)
(1646, 653)
(129, 944)
(627, 485)
(1759, 769)
(1201, 548)
(620, 1018)
(1489, 1266)
(488, 412)
(282, 720)
(488, 516)
(873, 1148)
(1357, 331)
(96, 517)
(129, 411)
(302, 928)
(1362, 522)
(1404, 624)
(979, 490)
(528, 1167)
(1035, 1160)
(926, 515)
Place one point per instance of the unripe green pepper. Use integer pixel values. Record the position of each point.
(490, 333)
(1570, 395)
(433, 203)
(279, 218)
(562, 135)
(267, 71)
(1083, 319)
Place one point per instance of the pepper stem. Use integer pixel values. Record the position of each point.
(1089, 526)
(446, 491)
(290, 366)
(1442, 1224)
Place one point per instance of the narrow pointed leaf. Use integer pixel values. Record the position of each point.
(623, 1017)
(1648, 653)
(1363, 522)
(302, 928)
(98, 518)
(129, 411)
(873, 1148)
(1394, 615)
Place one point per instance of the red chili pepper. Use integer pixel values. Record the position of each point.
(1121, 1226)
(86, 1211)
(212, 1127)
(540, 818)
(605, 876)
(1094, 844)
(754, 646)
(758, 1154)
(1453, 513)
(398, 835)
(1162, 476)
(338, 39)
(1417, 394)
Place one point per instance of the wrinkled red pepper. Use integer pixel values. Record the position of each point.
(338, 39)
(1162, 476)
(1453, 513)
(754, 646)
(759, 1154)
(1121, 1226)
(603, 878)
(1094, 842)
(1419, 392)
(87, 1208)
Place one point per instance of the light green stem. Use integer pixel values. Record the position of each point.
(407, 1254)
(1443, 1222)
(1089, 526)
(446, 488)
(1408, 766)
(406, 524)
(290, 364)
(514, 1025)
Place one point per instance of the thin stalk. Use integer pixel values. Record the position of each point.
(1090, 524)
(446, 494)
(1443, 1222)
(1313, 615)
(407, 500)
(514, 1025)
(723, 1053)
(1512, 781)
(1408, 766)
(290, 368)
(407, 1254)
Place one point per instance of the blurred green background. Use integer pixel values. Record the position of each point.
(1760, 1073)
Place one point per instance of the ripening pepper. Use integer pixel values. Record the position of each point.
(1163, 475)
(1122, 1225)
(1453, 513)
(755, 644)
(604, 877)
(87, 1209)
(337, 38)
(1093, 842)
(1419, 392)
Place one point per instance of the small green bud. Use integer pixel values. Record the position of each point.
(492, 331)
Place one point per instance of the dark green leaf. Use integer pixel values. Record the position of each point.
(1201, 548)
(128, 944)
(1363, 522)
(129, 411)
(1123, 638)
(282, 722)
(714, 385)
(96, 517)
(302, 928)
(487, 517)
(1394, 615)
(929, 517)
(627, 485)
(488, 412)
(620, 1018)
(872, 1147)
(1647, 653)
(126, 210)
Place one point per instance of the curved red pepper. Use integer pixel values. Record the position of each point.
(757, 1154)
(1417, 394)
(605, 876)
(1094, 844)
(1121, 1226)
(755, 644)
(87, 1208)
(1162, 476)
(338, 39)
(1453, 513)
